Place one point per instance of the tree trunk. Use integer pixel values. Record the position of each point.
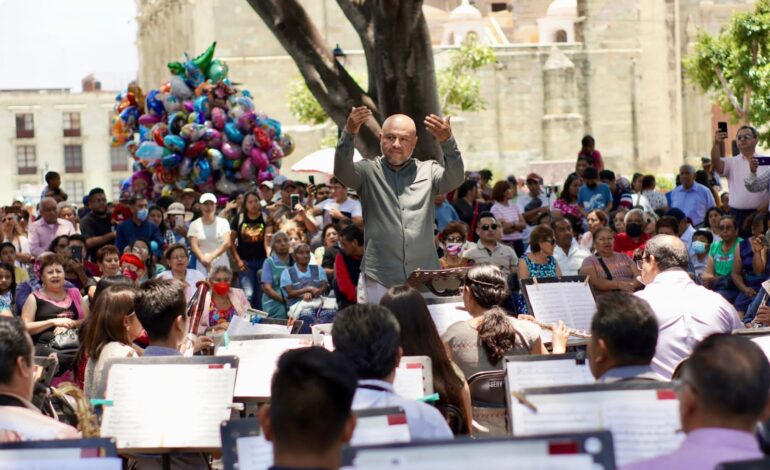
(397, 47)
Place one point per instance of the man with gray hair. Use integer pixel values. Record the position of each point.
(690, 197)
(686, 312)
(47, 227)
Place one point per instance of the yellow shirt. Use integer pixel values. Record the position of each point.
(21, 275)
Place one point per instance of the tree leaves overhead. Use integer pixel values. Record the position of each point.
(458, 86)
(734, 67)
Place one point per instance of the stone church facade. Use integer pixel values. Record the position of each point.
(611, 68)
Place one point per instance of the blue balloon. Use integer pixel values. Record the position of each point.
(202, 105)
(154, 104)
(201, 171)
(170, 161)
(232, 133)
(174, 143)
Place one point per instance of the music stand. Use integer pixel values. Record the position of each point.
(598, 444)
(544, 370)
(231, 431)
(567, 298)
(56, 450)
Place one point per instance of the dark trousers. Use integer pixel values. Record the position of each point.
(740, 218)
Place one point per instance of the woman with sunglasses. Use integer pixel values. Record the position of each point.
(540, 262)
(454, 236)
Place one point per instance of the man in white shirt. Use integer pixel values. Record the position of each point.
(686, 312)
(19, 419)
(339, 206)
(568, 253)
(369, 336)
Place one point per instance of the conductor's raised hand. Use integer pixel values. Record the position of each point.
(358, 115)
(441, 129)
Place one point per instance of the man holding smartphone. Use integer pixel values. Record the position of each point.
(397, 192)
(746, 193)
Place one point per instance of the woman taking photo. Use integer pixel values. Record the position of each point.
(480, 343)
(566, 203)
(177, 259)
(52, 310)
(13, 233)
(607, 270)
(209, 236)
(249, 234)
(115, 329)
(222, 301)
(508, 215)
(419, 337)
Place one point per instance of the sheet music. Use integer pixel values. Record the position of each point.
(104, 463)
(444, 315)
(553, 418)
(433, 460)
(644, 430)
(258, 361)
(239, 326)
(571, 302)
(381, 429)
(167, 405)
(254, 452)
(547, 373)
(409, 383)
(764, 344)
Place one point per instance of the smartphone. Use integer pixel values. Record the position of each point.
(76, 253)
(178, 221)
(311, 178)
(763, 161)
(722, 126)
(294, 200)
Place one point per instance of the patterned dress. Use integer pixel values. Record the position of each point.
(535, 270)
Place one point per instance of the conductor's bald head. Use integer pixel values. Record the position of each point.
(398, 139)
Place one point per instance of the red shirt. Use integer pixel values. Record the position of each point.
(624, 243)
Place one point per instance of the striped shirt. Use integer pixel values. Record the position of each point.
(509, 214)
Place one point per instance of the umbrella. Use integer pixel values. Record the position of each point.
(320, 161)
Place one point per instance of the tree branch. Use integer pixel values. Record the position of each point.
(730, 95)
(359, 13)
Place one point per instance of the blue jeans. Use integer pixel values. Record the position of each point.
(250, 282)
(751, 312)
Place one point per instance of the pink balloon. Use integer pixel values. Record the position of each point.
(231, 151)
(259, 159)
(247, 170)
(264, 176)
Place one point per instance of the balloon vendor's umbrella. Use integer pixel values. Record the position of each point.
(320, 161)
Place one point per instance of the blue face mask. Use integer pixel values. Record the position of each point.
(698, 247)
(142, 214)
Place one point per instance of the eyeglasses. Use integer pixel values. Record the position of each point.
(745, 137)
(486, 227)
(640, 262)
(548, 240)
(454, 239)
(179, 258)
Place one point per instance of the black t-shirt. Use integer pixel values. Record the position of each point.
(251, 237)
(94, 226)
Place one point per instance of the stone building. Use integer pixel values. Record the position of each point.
(611, 68)
(57, 130)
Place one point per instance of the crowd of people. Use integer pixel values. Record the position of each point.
(674, 273)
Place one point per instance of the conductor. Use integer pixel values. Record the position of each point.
(396, 192)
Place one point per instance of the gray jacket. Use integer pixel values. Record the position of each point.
(397, 208)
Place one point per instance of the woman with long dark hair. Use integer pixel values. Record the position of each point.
(419, 337)
(248, 248)
(480, 343)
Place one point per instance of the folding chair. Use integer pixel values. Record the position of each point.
(488, 403)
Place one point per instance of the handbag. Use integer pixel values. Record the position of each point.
(65, 340)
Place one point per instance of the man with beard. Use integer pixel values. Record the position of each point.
(96, 226)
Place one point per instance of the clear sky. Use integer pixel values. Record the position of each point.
(55, 43)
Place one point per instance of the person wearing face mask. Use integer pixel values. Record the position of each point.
(634, 237)
(593, 195)
(454, 237)
(138, 226)
(132, 267)
(699, 252)
(222, 301)
(686, 312)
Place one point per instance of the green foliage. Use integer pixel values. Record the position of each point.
(734, 67)
(458, 86)
(303, 105)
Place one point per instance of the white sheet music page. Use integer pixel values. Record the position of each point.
(764, 344)
(644, 429)
(444, 315)
(433, 460)
(547, 373)
(104, 463)
(254, 453)
(381, 429)
(258, 359)
(167, 405)
(239, 326)
(571, 302)
(554, 417)
(409, 382)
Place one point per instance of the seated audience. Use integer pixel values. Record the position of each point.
(608, 270)
(750, 267)
(540, 262)
(52, 310)
(595, 220)
(567, 252)
(443, 211)
(624, 333)
(326, 253)
(508, 216)
(177, 259)
(454, 238)
(303, 281)
(369, 336)
(656, 199)
(667, 225)
(8, 256)
(20, 420)
(723, 393)
(108, 261)
(132, 267)
(222, 302)
(719, 265)
(489, 250)
(480, 343)
(699, 252)
(347, 266)
(419, 337)
(115, 327)
(618, 224)
(593, 195)
(567, 202)
(686, 312)
(691, 198)
(711, 222)
(309, 417)
(7, 290)
(273, 301)
(142, 249)
(632, 236)
(650, 221)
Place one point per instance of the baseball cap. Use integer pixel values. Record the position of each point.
(268, 184)
(176, 208)
(534, 177)
(288, 183)
(207, 197)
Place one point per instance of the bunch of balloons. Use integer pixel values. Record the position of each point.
(197, 131)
